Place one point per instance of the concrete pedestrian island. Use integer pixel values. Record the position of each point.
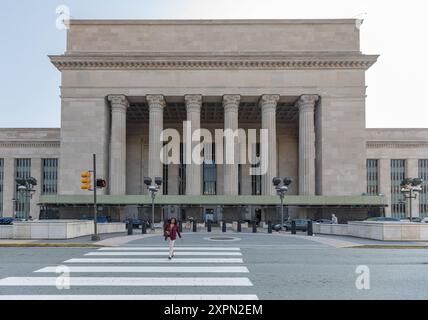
(56, 229)
(384, 231)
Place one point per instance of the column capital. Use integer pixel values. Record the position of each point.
(307, 101)
(119, 101)
(156, 101)
(231, 102)
(268, 101)
(193, 102)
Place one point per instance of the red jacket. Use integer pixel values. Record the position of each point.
(171, 231)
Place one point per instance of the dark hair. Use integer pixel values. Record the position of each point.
(175, 220)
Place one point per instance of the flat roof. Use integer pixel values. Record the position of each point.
(302, 201)
(210, 21)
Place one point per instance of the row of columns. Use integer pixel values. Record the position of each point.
(268, 105)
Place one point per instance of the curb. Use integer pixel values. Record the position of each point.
(50, 245)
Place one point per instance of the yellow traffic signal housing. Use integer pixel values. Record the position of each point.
(86, 180)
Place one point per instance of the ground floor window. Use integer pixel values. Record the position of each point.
(22, 202)
(182, 173)
(256, 180)
(423, 197)
(50, 176)
(1, 185)
(372, 177)
(398, 173)
(210, 170)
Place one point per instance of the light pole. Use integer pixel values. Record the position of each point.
(153, 189)
(26, 189)
(282, 190)
(410, 189)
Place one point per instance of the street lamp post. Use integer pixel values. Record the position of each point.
(282, 190)
(410, 189)
(153, 189)
(26, 189)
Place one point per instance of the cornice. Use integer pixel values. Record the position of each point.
(177, 62)
(396, 144)
(30, 144)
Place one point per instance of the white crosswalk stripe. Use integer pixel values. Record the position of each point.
(163, 253)
(166, 249)
(154, 260)
(123, 261)
(156, 269)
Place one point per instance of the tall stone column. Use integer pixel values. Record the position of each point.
(306, 105)
(193, 171)
(268, 104)
(156, 107)
(231, 174)
(119, 105)
(9, 187)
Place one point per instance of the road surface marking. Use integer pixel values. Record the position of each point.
(154, 260)
(212, 297)
(105, 253)
(151, 269)
(127, 282)
(166, 249)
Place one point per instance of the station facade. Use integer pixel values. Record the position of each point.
(302, 82)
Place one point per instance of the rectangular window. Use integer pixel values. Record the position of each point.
(182, 173)
(1, 185)
(398, 173)
(256, 180)
(423, 196)
(50, 176)
(23, 171)
(372, 177)
(210, 170)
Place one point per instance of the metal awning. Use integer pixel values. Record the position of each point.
(300, 201)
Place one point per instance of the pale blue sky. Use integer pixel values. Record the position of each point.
(29, 84)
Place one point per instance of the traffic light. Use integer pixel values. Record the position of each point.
(86, 179)
(101, 183)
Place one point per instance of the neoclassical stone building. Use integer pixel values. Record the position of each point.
(123, 82)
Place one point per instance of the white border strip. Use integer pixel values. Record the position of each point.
(212, 297)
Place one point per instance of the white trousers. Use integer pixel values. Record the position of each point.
(171, 247)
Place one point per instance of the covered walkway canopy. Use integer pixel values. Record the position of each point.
(299, 201)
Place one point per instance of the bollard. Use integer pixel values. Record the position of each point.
(269, 227)
(195, 226)
(239, 229)
(254, 227)
(223, 227)
(143, 227)
(130, 227)
(310, 228)
(293, 227)
(180, 226)
(209, 225)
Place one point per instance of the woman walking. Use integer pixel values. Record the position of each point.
(170, 231)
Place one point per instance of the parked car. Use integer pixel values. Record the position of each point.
(301, 225)
(390, 219)
(414, 219)
(324, 221)
(137, 223)
(6, 221)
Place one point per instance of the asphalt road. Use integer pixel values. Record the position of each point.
(255, 266)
